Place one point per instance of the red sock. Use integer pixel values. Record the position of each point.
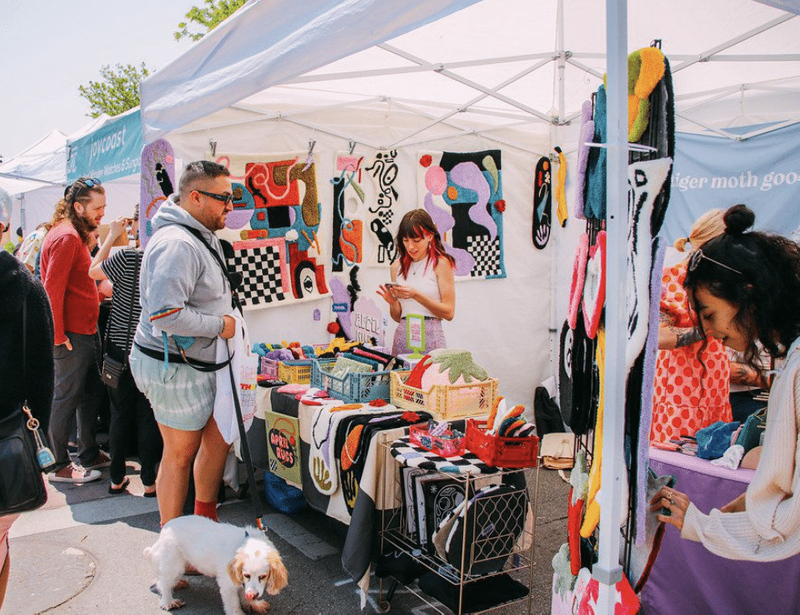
(206, 509)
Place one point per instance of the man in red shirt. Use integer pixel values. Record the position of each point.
(64, 264)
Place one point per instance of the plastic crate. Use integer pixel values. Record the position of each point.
(268, 369)
(501, 452)
(445, 402)
(298, 372)
(446, 445)
(353, 387)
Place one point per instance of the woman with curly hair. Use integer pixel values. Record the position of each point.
(745, 288)
(422, 281)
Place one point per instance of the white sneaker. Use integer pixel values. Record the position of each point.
(73, 473)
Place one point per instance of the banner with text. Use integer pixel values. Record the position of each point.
(712, 172)
(111, 152)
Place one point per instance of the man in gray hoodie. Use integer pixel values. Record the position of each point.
(186, 302)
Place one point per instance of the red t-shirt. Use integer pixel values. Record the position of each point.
(64, 264)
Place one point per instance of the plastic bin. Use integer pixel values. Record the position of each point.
(445, 402)
(501, 452)
(353, 387)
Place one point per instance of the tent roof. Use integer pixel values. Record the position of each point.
(43, 163)
(493, 63)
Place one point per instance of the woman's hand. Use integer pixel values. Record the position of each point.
(675, 501)
(401, 291)
(387, 292)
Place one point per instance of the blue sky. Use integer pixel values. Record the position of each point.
(50, 47)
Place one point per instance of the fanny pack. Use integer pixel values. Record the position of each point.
(201, 366)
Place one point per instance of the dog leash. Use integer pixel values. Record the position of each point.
(248, 460)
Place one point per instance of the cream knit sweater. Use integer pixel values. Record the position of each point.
(769, 529)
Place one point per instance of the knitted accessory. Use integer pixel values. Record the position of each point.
(457, 364)
(563, 580)
(645, 69)
(578, 279)
(594, 205)
(592, 517)
(542, 203)
(495, 409)
(584, 145)
(645, 180)
(560, 192)
(645, 411)
(565, 373)
(594, 288)
(415, 376)
(574, 519)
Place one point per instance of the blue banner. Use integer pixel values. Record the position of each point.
(111, 152)
(762, 172)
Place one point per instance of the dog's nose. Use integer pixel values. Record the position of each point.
(250, 594)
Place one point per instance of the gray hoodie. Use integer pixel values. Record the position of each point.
(183, 289)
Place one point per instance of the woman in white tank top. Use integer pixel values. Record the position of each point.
(422, 281)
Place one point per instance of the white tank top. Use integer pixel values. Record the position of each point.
(422, 277)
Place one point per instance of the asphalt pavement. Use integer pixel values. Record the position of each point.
(82, 553)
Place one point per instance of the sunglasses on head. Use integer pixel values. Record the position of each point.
(223, 198)
(80, 184)
(694, 261)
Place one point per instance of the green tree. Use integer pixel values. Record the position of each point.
(208, 18)
(117, 92)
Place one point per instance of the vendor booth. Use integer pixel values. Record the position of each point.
(336, 119)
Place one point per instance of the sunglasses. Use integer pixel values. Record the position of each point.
(694, 261)
(80, 184)
(223, 198)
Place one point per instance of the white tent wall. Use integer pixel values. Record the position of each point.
(504, 322)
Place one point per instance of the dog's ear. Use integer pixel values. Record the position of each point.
(235, 568)
(278, 576)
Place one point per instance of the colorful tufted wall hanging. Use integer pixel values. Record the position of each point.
(274, 228)
(463, 193)
(156, 184)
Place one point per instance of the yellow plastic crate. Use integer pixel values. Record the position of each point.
(295, 372)
(445, 402)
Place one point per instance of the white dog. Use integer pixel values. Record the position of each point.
(242, 560)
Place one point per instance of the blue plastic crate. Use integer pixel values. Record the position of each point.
(352, 388)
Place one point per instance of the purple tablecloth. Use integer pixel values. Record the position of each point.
(688, 579)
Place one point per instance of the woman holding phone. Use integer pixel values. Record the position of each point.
(745, 288)
(422, 281)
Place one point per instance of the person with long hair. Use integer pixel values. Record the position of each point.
(64, 265)
(692, 383)
(745, 289)
(423, 281)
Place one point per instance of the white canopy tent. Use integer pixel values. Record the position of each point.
(499, 73)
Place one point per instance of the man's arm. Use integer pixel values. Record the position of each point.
(168, 291)
(60, 261)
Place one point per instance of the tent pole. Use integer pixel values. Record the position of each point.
(562, 111)
(608, 570)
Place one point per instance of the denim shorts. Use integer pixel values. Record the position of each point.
(182, 397)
